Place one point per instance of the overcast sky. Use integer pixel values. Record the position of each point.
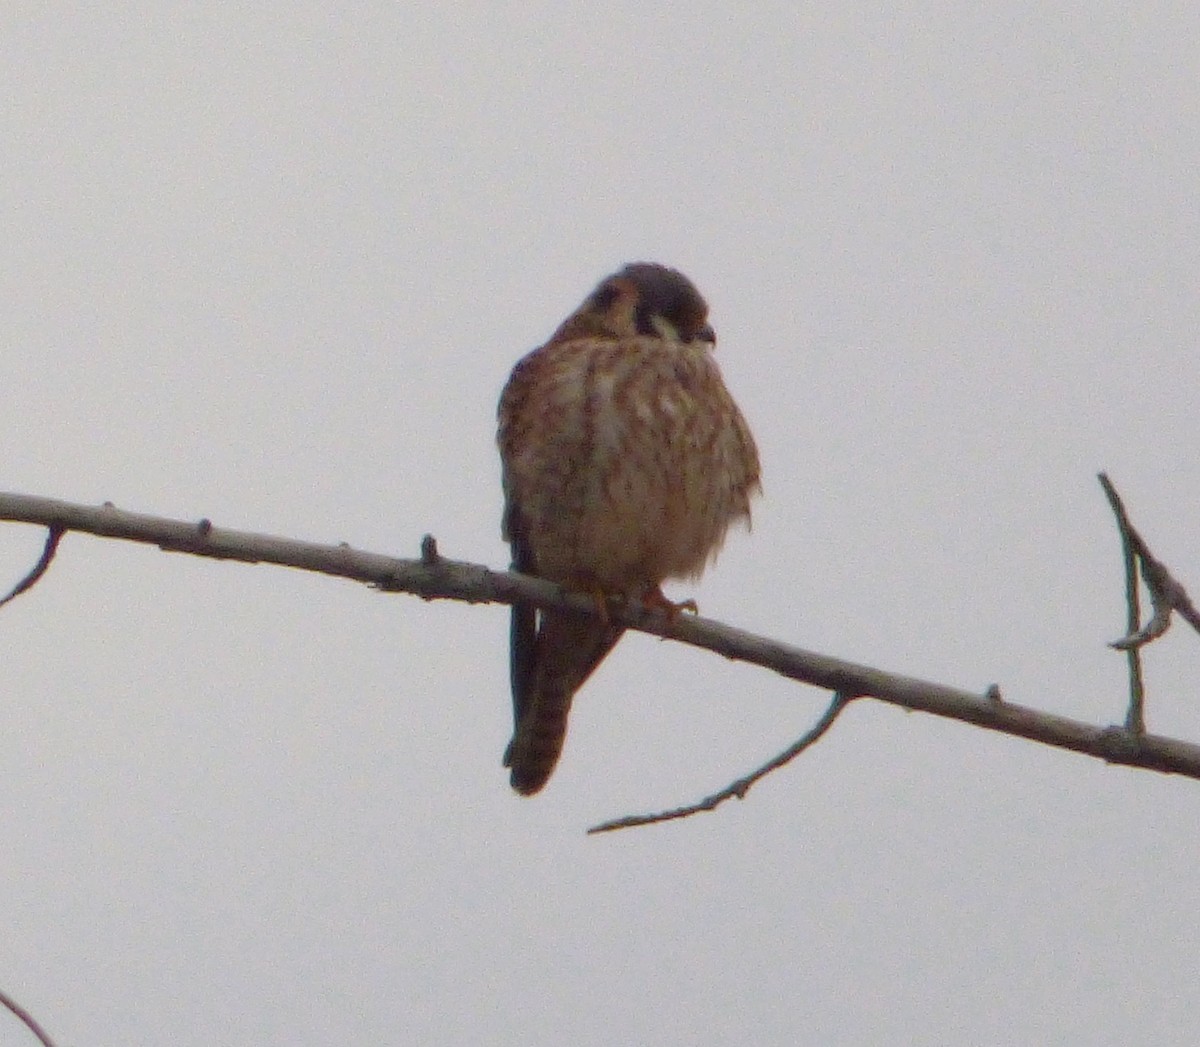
(274, 268)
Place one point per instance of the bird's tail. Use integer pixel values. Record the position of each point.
(568, 647)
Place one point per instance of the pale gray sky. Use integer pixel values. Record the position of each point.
(272, 267)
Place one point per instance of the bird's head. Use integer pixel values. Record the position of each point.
(642, 299)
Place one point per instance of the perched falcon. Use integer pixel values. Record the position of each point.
(625, 461)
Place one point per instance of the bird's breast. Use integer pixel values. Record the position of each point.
(632, 462)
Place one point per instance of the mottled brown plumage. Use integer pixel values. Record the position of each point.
(625, 462)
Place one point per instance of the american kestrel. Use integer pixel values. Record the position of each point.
(625, 461)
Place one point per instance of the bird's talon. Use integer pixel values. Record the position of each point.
(655, 600)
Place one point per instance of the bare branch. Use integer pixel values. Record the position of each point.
(740, 787)
(473, 583)
(28, 1019)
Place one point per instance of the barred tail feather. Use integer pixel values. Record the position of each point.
(568, 647)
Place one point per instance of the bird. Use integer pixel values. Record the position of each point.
(624, 462)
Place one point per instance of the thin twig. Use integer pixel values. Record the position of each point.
(1166, 593)
(739, 788)
(1135, 717)
(53, 536)
(27, 1018)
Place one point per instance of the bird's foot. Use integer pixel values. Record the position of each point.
(655, 600)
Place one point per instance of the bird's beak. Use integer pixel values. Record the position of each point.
(707, 334)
